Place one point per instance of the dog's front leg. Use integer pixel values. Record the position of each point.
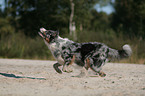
(66, 68)
(68, 62)
(55, 66)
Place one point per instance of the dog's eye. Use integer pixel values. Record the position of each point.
(47, 35)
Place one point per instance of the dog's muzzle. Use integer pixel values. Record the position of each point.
(42, 35)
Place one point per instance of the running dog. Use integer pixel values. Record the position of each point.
(91, 55)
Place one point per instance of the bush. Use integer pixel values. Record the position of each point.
(19, 46)
(116, 41)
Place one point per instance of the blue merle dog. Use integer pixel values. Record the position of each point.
(91, 55)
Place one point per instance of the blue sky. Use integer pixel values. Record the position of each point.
(108, 8)
(2, 4)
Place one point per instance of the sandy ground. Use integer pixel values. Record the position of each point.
(38, 78)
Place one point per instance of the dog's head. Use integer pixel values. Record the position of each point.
(48, 35)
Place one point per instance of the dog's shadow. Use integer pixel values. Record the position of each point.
(14, 76)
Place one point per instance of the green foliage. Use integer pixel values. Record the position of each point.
(20, 46)
(116, 41)
(5, 27)
(99, 21)
(129, 16)
(21, 19)
(83, 12)
(53, 14)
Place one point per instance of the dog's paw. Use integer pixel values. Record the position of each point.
(67, 69)
(55, 66)
(102, 74)
(81, 75)
(70, 69)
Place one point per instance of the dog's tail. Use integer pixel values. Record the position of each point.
(120, 54)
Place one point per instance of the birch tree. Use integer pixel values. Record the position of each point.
(72, 27)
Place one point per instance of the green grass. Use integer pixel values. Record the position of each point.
(20, 46)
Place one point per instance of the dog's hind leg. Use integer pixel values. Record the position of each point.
(83, 73)
(55, 66)
(96, 66)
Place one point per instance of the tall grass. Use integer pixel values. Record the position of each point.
(116, 41)
(20, 46)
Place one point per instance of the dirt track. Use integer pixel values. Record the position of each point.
(38, 78)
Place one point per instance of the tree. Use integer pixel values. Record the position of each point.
(72, 27)
(100, 21)
(29, 15)
(129, 16)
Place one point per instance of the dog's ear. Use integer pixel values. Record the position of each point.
(55, 33)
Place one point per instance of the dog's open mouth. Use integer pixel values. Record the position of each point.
(43, 34)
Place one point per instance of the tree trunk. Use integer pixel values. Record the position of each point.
(72, 28)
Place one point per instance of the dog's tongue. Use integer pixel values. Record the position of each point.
(41, 34)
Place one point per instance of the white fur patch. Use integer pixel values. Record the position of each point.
(60, 60)
(127, 49)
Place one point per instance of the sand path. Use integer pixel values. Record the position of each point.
(38, 78)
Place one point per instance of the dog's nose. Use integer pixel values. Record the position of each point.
(42, 29)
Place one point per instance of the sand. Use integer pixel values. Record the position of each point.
(38, 78)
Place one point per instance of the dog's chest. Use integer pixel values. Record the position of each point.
(53, 47)
(56, 47)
